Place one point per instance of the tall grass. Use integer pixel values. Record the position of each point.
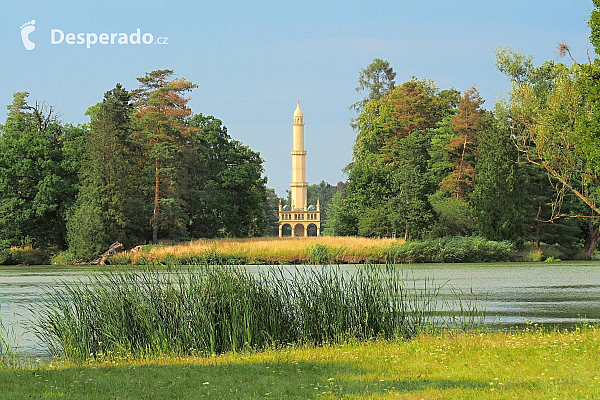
(319, 250)
(211, 310)
(8, 356)
(290, 250)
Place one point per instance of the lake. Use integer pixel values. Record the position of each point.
(511, 293)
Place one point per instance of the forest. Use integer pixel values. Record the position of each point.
(430, 163)
(427, 163)
(143, 170)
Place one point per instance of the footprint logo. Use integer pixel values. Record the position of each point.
(26, 29)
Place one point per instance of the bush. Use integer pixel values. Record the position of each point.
(66, 257)
(27, 256)
(319, 254)
(449, 250)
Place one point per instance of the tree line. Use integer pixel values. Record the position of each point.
(143, 169)
(433, 163)
(427, 163)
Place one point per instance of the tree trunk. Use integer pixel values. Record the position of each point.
(156, 199)
(460, 168)
(592, 240)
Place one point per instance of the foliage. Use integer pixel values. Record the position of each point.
(454, 218)
(39, 160)
(378, 79)
(227, 192)
(388, 180)
(497, 200)
(450, 249)
(24, 256)
(466, 124)
(550, 114)
(160, 126)
(110, 204)
(144, 169)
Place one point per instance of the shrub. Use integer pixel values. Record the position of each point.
(28, 256)
(449, 250)
(64, 258)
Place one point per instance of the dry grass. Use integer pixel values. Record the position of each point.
(350, 249)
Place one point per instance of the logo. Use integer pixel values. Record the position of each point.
(89, 39)
(57, 36)
(26, 29)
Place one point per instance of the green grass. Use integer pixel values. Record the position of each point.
(491, 365)
(215, 309)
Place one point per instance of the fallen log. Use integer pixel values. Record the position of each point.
(114, 248)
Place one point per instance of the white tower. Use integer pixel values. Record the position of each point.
(300, 216)
(298, 184)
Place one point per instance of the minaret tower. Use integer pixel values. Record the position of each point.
(299, 184)
(300, 216)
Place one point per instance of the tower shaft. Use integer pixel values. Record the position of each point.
(298, 185)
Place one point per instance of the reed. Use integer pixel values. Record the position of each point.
(319, 250)
(216, 309)
(8, 357)
(290, 250)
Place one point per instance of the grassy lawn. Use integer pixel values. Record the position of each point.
(496, 365)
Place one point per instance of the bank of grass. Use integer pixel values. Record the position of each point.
(319, 250)
(532, 364)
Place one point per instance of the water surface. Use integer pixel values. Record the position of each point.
(511, 293)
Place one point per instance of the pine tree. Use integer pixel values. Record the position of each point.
(466, 124)
(110, 203)
(160, 123)
(496, 201)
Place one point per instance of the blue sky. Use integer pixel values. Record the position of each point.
(253, 59)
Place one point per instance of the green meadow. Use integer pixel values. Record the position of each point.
(532, 364)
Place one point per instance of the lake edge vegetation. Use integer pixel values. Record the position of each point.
(319, 251)
(216, 309)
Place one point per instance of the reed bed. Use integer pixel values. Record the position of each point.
(216, 309)
(319, 250)
(289, 250)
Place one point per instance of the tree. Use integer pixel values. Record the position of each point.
(39, 160)
(341, 218)
(272, 211)
(160, 120)
(390, 163)
(378, 79)
(110, 204)
(466, 124)
(551, 117)
(228, 194)
(323, 193)
(497, 201)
